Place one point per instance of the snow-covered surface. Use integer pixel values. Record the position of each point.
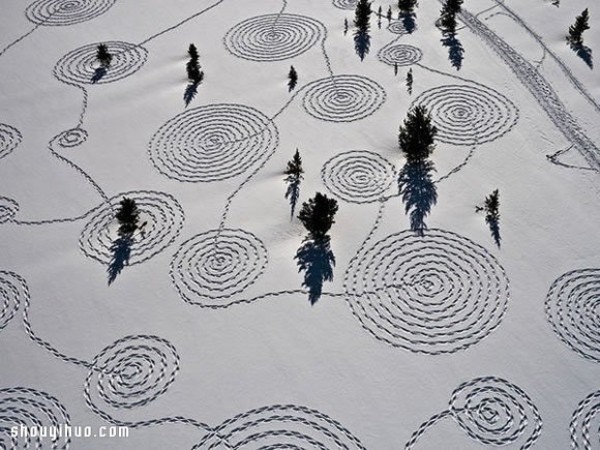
(438, 342)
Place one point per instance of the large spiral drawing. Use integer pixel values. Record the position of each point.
(492, 411)
(433, 294)
(212, 143)
(572, 310)
(274, 37)
(211, 267)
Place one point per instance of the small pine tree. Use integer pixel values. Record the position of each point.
(362, 16)
(379, 12)
(317, 215)
(292, 78)
(492, 206)
(395, 68)
(407, 6)
(103, 55)
(416, 138)
(389, 14)
(576, 30)
(128, 217)
(409, 81)
(193, 52)
(447, 21)
(294, 168)
(194, 72)
(346, 26)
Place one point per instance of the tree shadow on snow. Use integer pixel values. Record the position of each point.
(121, 251)
(408, 20)
(418, 191)
(190, 92)
(293, 193)
(455, 50)
(494, 225)
(98, 74)
(362, 44)
(315, 258)
(585, 53)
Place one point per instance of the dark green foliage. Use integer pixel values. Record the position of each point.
(409, 81)
(103, 55)
(194, 73)
(492, 206)
(362, 16)
(447, 20)
(128, 217)
(317, 215)
(576, 30)
(292, 78)
(416, 138)
(294, 168)
(193, 52)
(407, 6)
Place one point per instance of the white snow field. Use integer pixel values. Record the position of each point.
(206, 339)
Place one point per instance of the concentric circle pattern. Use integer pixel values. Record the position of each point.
(132, 372)
(8, 209)
(13, 292)
(66, 12)
(80, 66)
(573, 308)
(161, 220)
(274, 37)
(397, 27)
(281, 427)
(345, 4)
(496, 412)
(343, 98)
(211, 267)
(400, 55)
(72, 138)
(433, 294)
(468, 115)
(10, 138)
(21, 406)
(212, 143)
(358, 176)
(585, 424)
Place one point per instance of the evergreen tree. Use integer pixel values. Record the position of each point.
(416, 138)
(193, 52)
(292, 78)
(294, 168)
(407, 6)
(103, 55)
(395, 68)
(576, 30)
(379, 12)
(409, 81)
(128, 217)
(447, 21)
(389, 14)
(345, 27)
(317, 215)
(194, 72)
(492, 206)
(362, 16)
